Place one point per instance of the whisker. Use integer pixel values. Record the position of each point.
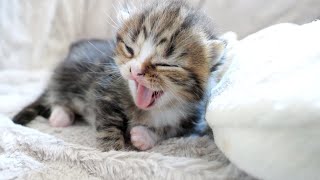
(114, 25)
(96, 48)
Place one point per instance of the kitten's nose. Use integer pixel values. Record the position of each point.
(137, 72)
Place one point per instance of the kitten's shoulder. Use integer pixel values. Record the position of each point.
(90, 49)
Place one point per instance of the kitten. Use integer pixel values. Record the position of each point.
(146, 86)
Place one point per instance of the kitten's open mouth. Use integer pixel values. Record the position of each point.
(146, 97)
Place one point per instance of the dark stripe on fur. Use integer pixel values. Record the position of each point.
(30, 112)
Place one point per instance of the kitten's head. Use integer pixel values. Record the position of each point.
(166, 50)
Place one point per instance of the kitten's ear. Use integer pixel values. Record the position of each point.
(217, 49)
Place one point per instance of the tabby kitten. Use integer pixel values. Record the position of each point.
(147, 85)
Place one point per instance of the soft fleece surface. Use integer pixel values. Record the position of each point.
(28, 154)
(69, 153)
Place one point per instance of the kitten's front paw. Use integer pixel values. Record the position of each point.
(142, 138)
(61, 117)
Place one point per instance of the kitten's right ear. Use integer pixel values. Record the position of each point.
(217, 49)
(221, 50)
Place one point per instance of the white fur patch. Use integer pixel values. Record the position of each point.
(167, 116)
(125, 70)
(147, 49)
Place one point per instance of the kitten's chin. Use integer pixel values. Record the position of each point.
(145, 98)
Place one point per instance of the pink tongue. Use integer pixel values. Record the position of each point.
(144, 96)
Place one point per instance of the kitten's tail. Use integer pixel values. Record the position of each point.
(30, 112)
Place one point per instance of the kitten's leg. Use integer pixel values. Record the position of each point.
(110, 127)
(142, 138)
(110, 138)
(61, 117)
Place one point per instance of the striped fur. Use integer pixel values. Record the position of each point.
(175, 47)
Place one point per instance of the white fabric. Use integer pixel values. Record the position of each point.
(265, 113)
(249, 16)
(36, 34)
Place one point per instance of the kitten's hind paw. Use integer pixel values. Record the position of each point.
(61, 117)
(142, 138)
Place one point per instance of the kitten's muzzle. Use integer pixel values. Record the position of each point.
(145, 96)
(136, 72)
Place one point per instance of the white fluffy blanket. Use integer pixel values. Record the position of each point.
(265, 113)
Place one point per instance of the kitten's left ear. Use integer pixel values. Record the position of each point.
(217, 49)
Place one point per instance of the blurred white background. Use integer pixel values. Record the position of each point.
(36, 33)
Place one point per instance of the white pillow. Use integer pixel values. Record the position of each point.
(265, 112)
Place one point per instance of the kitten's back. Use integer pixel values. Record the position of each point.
(72, 78)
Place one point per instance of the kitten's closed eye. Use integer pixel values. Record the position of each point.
(166, 65)
(129, 49)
